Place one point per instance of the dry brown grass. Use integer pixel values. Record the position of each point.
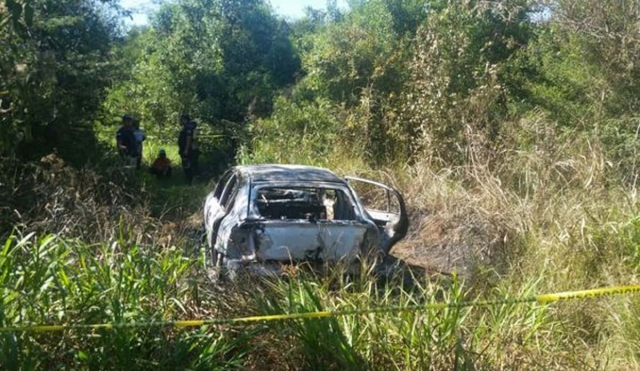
(563, 217)
(52, 197)
(541, 219)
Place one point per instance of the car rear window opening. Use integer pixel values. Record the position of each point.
(283, 203)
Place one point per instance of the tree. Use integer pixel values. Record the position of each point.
(56, 69)
(458, 80)
(217, 59)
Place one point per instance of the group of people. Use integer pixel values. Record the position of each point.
(130, 137)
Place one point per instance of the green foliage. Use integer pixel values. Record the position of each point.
(456, 98)
(355, 63)
(311, 130)
(586, 86)
(447, 81)
(54, 67)
(50, 280)
(217, 60)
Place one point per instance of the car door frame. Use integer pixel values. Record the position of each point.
(220, 210)
(393, 231)
(228, 192)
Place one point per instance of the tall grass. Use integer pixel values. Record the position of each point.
(51, 279)
(529, 222)
(56, 280)
(553, 215)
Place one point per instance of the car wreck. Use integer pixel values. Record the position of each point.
(262, 216)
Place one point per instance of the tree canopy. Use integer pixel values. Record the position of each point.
(388, 81)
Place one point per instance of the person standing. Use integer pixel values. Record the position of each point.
(140, 137)
(185, 146)
(127, 141)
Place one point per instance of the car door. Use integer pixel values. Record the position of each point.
(215, 205)
(385, 206)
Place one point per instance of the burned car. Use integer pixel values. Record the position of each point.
(261, 216)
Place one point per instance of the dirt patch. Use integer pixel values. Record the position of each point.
(449, 244)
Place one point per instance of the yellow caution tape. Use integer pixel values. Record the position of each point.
(587, 294)
(541, 299)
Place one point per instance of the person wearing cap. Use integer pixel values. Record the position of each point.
(161, 166)
(127, 142)
(185, 145)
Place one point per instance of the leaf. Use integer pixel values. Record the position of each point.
(4, 20)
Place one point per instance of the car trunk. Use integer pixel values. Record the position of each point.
(299, 240)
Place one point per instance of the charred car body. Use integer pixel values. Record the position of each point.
(261, 216)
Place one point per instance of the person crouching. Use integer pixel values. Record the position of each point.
(161, 167)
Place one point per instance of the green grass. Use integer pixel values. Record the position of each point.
(541, 225)
(56, 280)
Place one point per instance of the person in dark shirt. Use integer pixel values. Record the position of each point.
(185, 146)
(127, 146)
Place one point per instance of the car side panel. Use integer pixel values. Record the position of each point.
(234, 218)
(212, 213)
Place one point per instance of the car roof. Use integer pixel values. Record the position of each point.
(299, 173)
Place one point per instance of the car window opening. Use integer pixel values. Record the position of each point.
(304, 203)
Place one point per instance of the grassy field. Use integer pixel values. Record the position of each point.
(535, 225)
(511, 127)
(55, 280)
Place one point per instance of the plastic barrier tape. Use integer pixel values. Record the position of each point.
(541, 299)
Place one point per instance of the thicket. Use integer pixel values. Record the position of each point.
(55, 65)
(446, 81)
(406, 80)
(510, 126)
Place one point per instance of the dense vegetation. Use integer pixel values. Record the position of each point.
(511, 126)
